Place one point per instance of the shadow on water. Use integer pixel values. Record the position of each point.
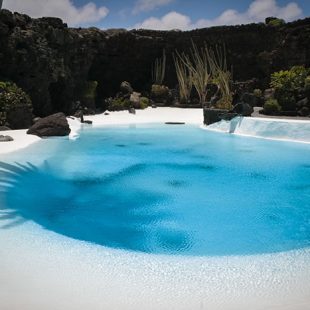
(99, 210)
(155, 207)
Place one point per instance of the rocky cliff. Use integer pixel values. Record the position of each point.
(52, 62)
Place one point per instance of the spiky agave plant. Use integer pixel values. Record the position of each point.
(222, 77)
(159, 70)
(184, 76)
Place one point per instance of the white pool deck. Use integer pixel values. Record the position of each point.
(43, 270)
(278, 129)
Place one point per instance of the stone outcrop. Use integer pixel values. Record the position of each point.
(211, 115)
(53, 125)
(52, 62)
(6, 138)
(243, 109)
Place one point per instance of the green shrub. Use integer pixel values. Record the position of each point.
(258, 93)
(286, 99)
(282, 79)
(118, 104)
(301, 74)
(144, 102)
(287, 83)
(274, 21)
(289, 80)
(12, 97)
(307, 82)
(272, 107)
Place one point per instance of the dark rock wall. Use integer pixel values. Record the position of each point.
(51, 61)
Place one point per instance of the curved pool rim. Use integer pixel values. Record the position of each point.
(115, 127)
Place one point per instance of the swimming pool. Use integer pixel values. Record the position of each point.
(158, 189)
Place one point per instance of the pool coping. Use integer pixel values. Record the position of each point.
(149, 115)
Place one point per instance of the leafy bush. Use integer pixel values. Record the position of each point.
(144, 102)
(272, 107)
(287, 84)
(12, 97)
(290, 80)
(307, 82)
(274, 21)
(286, 100)
(258, 93)
(118, 104)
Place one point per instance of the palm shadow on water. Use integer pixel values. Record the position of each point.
(94, 209)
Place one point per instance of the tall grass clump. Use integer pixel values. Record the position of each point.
(199, 65)
(184, 76)
(159, 70)
(221, 76)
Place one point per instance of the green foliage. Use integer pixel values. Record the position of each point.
(204, 66)
(272, 107)
(290, 80)
(118, 104)
(282, 79)
(301, 74)
(222, 77)
(287, 83)
(307, 82)
(258, 93)
(286, 99)
(89, 91)
(198, 64)
(144, 102)
(275, 22)
(11, 96)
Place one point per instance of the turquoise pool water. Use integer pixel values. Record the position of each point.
(164, 190)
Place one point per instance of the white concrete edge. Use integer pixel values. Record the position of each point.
(147, 116)
(284, 120)
(298, 131)
(204, 127)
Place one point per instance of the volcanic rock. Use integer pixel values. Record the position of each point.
(53, 125)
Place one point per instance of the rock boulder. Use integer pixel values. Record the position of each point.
(53, 125)
(4, 128)
(243, 109)
(5, 138)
